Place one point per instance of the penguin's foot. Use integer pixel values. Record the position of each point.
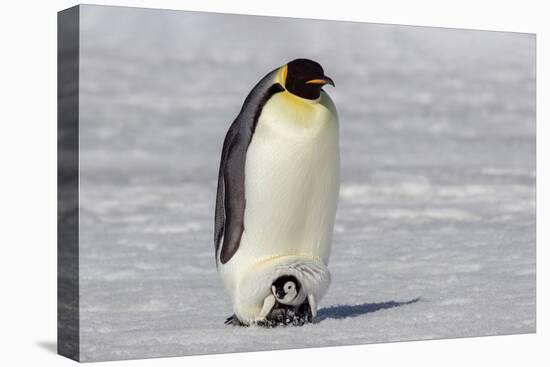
(234, 321)
(283, 315)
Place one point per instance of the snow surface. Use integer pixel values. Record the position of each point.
(435, 231)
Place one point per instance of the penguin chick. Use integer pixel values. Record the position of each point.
(288, 291)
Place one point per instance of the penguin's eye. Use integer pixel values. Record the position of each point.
(289, 286)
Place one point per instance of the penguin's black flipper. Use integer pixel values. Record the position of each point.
(230, 198)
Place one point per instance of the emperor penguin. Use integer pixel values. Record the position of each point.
(278, 187)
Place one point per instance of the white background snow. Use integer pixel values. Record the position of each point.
(435, 231)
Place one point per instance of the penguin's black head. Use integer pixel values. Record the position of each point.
(285, 288)
(305, 78)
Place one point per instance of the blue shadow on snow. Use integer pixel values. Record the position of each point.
(345, 311)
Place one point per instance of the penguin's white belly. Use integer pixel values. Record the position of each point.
(291, 180)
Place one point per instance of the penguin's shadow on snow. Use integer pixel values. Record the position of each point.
(344, 311)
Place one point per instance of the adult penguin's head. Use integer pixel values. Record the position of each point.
(304, 78)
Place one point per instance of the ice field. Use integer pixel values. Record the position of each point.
(435, 229)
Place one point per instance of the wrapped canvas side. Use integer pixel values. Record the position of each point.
(68, 340)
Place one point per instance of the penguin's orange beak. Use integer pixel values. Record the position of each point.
(324, 80)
